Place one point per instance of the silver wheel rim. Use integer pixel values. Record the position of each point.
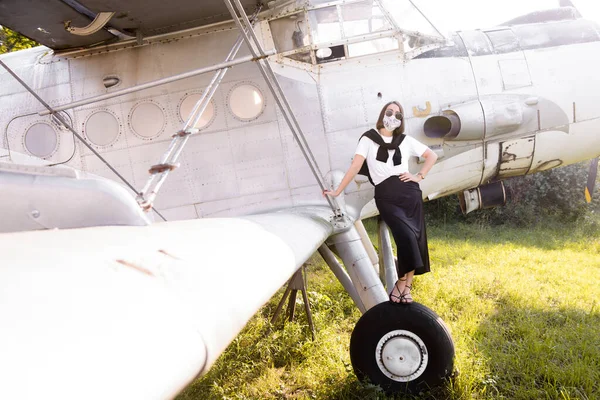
(401, 356)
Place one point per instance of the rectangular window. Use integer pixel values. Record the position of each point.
(325, 25)
(372, 46)
(362, 18)
(408, 17)
(290, 33)
(556, 34)
(504, 41)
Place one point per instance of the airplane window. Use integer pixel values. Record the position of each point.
(187, 105)
(291, 33)
(504, 41)
(408, 17)
(41, 140)
(372, 46)
(325, 25)
(550, 35)
(147, 120)
(102, 128)
(246, 102)
(476, 42)
(412, 42)
(362, 18)
(455, 49)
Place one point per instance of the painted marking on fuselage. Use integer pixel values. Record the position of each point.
(421, 113)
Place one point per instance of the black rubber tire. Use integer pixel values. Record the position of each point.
(415, 318)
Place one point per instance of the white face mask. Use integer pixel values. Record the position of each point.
(392, 120)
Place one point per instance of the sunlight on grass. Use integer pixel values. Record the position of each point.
(522, 306)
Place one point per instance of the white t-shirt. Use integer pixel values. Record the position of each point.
(381, 171)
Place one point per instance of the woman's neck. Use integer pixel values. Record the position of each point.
(385, 132)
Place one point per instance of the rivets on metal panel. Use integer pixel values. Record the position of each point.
(35, 214)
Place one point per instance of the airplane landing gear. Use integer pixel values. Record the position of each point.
(401, 347)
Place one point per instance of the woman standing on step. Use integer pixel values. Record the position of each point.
(397, 193)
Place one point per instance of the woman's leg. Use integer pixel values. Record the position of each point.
(406, 296)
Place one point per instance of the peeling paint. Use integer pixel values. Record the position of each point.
(544, 165)
(508, 157)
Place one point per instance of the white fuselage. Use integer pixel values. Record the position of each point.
(528, 110)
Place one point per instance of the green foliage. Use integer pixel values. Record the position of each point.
(521, 304)
(554, 196)
(13, 41)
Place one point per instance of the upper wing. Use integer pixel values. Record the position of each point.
(44, 20)
(138, 312)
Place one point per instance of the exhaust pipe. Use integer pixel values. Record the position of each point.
(486, 196)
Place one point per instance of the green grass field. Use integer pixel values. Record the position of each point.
(522, 305)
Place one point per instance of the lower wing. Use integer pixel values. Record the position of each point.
(139, 312)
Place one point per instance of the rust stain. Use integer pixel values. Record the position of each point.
(166, 253)
(136, 267)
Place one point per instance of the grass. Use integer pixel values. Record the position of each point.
(522, 306)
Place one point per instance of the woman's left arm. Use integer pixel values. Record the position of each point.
(430, 159)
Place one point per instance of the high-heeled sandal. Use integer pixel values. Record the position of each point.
(396, 296)
(406, 298)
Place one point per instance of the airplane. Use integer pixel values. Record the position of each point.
(227, 119)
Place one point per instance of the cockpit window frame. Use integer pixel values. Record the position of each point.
(401, 35)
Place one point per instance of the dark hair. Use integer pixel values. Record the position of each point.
(380, 125)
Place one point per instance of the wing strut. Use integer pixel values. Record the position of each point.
(168, 162)
(279, 96)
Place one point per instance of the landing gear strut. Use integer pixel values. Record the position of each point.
(401, 347)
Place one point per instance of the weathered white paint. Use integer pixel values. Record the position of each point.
(139, 326)
(232, 162)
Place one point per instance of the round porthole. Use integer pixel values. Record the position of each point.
(41, 140)
(147, 120)
(102, 128)
(246, 102)
(187, 105)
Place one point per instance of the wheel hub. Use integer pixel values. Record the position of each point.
(401, 355)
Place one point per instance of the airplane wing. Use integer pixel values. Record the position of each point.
(45, 21)
(138, 312)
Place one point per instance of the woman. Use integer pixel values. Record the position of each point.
(397, 193)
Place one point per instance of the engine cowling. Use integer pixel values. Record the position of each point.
(488, 117)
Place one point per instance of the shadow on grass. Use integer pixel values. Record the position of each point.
(536, 353)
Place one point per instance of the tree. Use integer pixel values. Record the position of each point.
(13, 41)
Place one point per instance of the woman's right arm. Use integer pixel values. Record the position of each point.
(357, 163)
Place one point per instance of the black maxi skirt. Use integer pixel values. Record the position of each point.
(400, 205)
